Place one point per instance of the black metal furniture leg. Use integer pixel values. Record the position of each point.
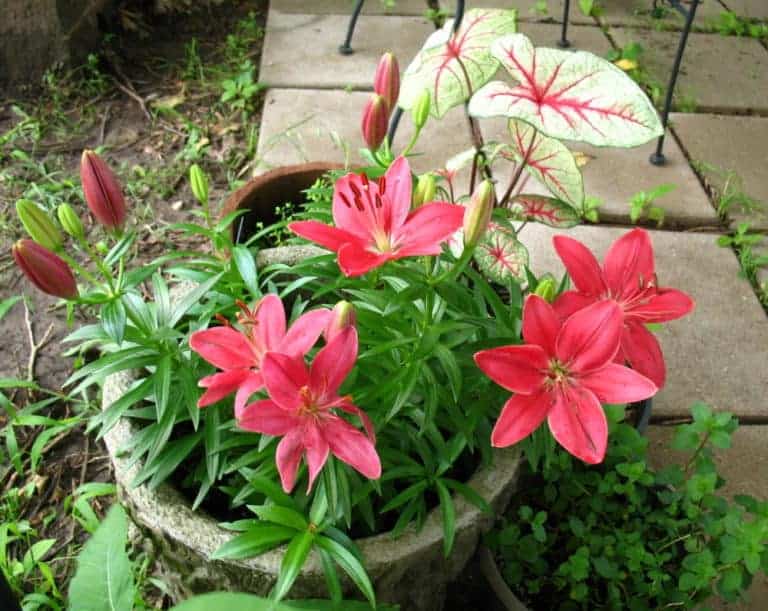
(346, 47)
(394, 122)
(657, 158)
(564, 43)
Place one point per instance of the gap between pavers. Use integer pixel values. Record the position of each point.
(638, 14)
(730, 152)
(744, 467)
(719, 353)
(718, 73)
(309, 125)
(344, 7)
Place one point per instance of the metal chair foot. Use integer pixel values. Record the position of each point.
(346, 50)
(658, 159)
(563, 43)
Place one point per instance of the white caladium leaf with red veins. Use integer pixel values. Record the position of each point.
(500, 256)
(571, 95)
(453, 66)
(542, 209)
(549, 161)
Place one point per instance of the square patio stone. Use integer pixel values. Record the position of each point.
(528, 10)
(302, 50)
(718, 73)
(719, 353)
(744, 467)
(732, 155)
(311, 125)
(751, 9)
(581, 37)
(344, 7)
(639, 14)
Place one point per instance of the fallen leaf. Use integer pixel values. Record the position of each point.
(626, 64)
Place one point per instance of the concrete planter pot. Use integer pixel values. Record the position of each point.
(410, 570)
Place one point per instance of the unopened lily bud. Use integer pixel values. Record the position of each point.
(102, 191)
(420, 110)
(46, 270)
(546, 288)
(375, 121)
(199, 183)
(342, 316)
(426, 188)
(478, 213)
(387, 80)
(70, 221)
(39, 225)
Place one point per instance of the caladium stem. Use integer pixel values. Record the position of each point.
(515, 178)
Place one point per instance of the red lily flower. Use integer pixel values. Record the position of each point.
(300, 409)
(374, 223)
(563, 373)
(627, 277)
(239, 354)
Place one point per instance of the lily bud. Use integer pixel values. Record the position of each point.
(39, 225)
(70, 221)
(546, 288)
(387, 80)
(199, 183)
(426, 188)
(375, 121)
(478, 213)
(102, 191)
(420, 110)
(342, 316)
(46, 270)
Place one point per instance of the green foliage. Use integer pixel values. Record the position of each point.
(729, 23)
(625, 536)
(642, 204)
(744, 242)
(240, 91)
(591, 8)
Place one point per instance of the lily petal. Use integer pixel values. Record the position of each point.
(571, 302)
(629, 261)
(540, 324)
(221, 384)
(364, 418)
(520, 416)
(427, 228)
(578, 423)
(356, 260)
(333, 364)
(353, 209)
(317, 449)
(581, 264)
(270, 316)
(266, 417)
(643, 352)
(352, 447)
(288, 456)
(519, 369)
(665, 305)
(284, 376)
(589, 339)
(304, 332)
(618, 384)
(327, 236)
(223, 347)
(398, 189)
(254, 382)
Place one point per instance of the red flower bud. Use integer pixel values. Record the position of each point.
(375, 121)
(342, 316)
(387, 80)
(102, 191)
(45, 270)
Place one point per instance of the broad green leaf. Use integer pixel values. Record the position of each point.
(258, 539)
(351, 566)
(543, 209)
(294, 558)
(162, 300)
(212, 441)
(113, 319)
(139, 312)
(447, 61)
(162, 386)
(246, 267)
(549, 161)
(119, 249)
(568, 95)
(104, 577)
(231, 601)
(448, 513)
(500, 256)
(285, 516)
(7, 304)
(191, 298)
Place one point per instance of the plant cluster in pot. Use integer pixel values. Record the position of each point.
(347, 442)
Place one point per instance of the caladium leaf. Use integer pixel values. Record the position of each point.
(542, 209)
(549, 161)
(453, 66)
(500, 256)
(568, 95)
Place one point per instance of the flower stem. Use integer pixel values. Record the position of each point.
(79, 268)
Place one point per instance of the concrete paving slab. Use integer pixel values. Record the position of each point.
(639, 14)
(302, 50)
(310, 125)
(344, 7)
(718, 73)
(752, 9)
(731, 153)
(582, 38)
(531, 10)
(745, 469)
(719, 353)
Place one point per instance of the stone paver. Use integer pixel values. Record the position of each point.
(344, 7)
(719, 353)
(638, 13)
(754, 9)
(732, 155)
(745, 469)
(582, 38)
(718, 72)
(527, 10)
(318, 120)
(302, 50)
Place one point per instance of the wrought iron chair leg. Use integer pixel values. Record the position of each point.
(564, 43)
(346, 47)
(658, 158)
(394, 122)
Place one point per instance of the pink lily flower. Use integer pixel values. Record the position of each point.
(240, 353)
(563, 373)
(374, 222)
(300, 409)
(628, 277)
